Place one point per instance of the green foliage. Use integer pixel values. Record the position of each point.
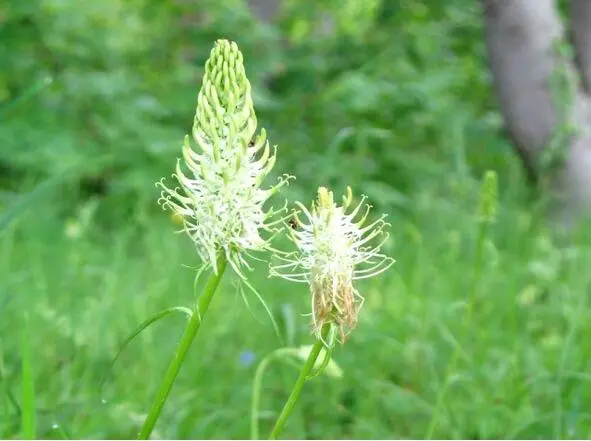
(392, 98)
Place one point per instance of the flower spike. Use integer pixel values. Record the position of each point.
(331, 254)
(218, 196)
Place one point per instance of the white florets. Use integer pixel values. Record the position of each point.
(333, 251)
(219, 198)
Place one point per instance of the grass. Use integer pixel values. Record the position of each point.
(28, 410)
(521, 370)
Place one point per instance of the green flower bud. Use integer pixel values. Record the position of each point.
(489, 199)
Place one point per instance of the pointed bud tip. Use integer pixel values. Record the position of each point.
(325, 198)
(489, 198)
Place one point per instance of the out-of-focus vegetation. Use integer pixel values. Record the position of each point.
(391, 97)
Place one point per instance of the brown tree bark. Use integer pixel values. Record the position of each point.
(265, 10)
(581, 38)
(521, 39)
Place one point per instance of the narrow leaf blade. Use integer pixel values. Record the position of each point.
(142, 327)
(28, 414)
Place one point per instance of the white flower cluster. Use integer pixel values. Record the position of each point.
(221, 202)
(333, 251)
(220, 198)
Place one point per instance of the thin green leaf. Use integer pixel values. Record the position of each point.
(28, 93)
(257, 386)
(200, 271)
(28, 413)
(287, 322)
(319, 367)
(269, 313)
(5, 387)
(144, 325)
(27, 200)
(325, 365)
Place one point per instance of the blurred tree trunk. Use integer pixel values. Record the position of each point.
(581, 37)
(522, 38)
(265, 10)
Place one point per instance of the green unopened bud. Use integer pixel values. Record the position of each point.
(489, 198)
(225, 109)
(324, 202)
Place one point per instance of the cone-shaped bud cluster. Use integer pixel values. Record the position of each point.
(219, 196)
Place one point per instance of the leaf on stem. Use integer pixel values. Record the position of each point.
(144, 325)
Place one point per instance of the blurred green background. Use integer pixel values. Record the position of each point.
(392, 97)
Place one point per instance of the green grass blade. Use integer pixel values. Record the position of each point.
(27, 200)
(28, 415)
(267, 310)
(28, 93)
(137, 331)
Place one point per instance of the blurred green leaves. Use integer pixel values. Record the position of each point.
(399, 75)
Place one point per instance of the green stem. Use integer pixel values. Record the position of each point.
(256, 398)
(182, 349)
(299, 384)
(257, 387)
(452, 365)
